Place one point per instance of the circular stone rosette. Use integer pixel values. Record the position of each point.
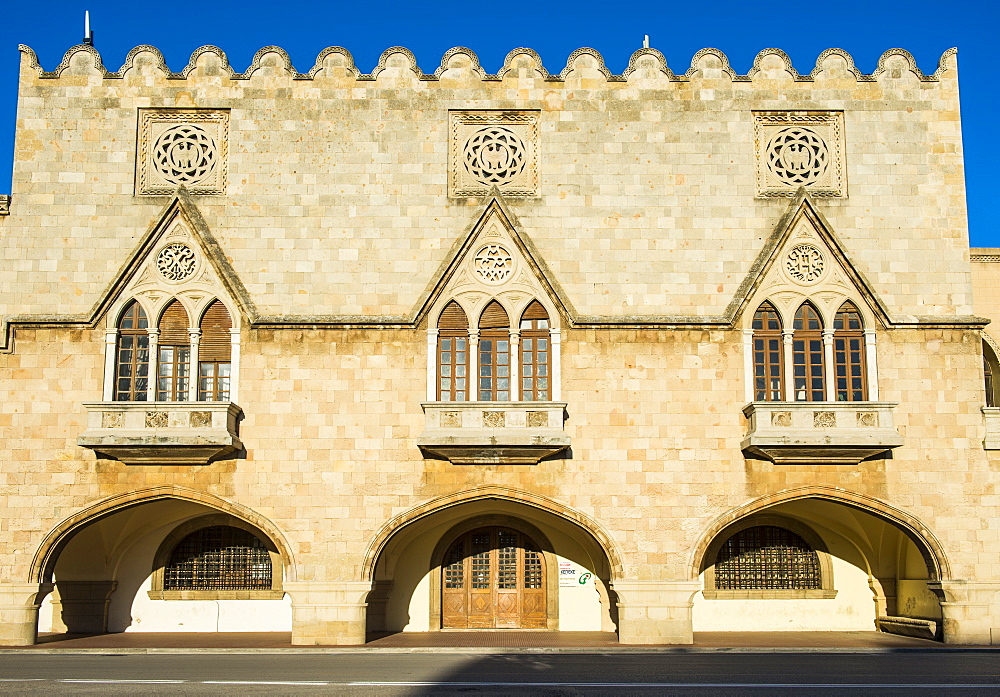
(493, 264)
(495, 155)
(185, 154)
(805, 263)
(176, 262)
(797, 156)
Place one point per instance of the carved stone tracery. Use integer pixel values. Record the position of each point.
(185, 154)
(805, 263)
(176, 262)
(493, 264)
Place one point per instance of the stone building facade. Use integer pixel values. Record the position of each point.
(335, 353)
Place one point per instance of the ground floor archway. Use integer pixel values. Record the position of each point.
(490, 563)
(816, 562)
(161, 561)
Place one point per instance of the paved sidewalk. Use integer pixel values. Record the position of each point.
(477, 641)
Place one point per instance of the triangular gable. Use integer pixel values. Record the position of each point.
(803, 258)
(494, 258)
(150, 271)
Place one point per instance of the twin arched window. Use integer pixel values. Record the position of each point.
(179, 348)
(486, 351)
(811, 350)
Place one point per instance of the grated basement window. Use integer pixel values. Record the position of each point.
(219, 558)
(768, 558)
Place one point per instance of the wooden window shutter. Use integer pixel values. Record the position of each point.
(216, 341)
(494, 317)
(174, 326)
(535, 311)
(453, 318)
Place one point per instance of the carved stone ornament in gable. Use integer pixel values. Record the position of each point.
(796, 149)
(493, 149)
(175, 267)
(182, 147)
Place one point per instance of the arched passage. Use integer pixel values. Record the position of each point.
(406, 561)
(874, 566)
(107, 562)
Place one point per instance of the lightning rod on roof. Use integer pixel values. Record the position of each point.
(88, 36)
(645, 41)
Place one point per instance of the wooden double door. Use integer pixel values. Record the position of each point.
(493, 578)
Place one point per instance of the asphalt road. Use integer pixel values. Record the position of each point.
(669, 673)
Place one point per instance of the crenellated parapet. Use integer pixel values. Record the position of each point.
(646, 61)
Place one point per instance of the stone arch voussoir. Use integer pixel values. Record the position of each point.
(543, 503)
(930, 547)
(48, 551)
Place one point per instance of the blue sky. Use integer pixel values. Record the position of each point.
(741, 29)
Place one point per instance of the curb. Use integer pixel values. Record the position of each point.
(500, 650)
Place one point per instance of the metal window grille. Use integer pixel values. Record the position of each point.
(454, 570)
(220, 557)
(767, 557)
(532, 566)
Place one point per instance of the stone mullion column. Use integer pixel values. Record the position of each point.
(234, 367)
(555, 365)
(515, 366)
(193, 370)
(473, 392)
(432, 361)
(749, 384)
(153, 368)
(830, 375)
(110, 363)
(871, 365)
(789, 360)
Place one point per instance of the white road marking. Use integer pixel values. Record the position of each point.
(938, 686)
(124, 682)
(415, 683)
(263, 682)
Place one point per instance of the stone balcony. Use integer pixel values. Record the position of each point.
(510, 433)
(817, 433)
(162, 433)
(992, 417)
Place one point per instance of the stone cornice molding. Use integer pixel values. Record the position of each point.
(706, 58)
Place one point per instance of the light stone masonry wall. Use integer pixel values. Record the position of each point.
(648, 230)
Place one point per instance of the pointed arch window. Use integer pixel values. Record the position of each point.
(453, 354)
(132, 355)
(494, 354)
(173, 365)
(768, 362)
(850, 371)
(991, 371)
(808, 364)
(536, 360)
(215, 354)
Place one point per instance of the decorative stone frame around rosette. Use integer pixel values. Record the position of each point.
(490, 149)
(800, 149)
(182, 147)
